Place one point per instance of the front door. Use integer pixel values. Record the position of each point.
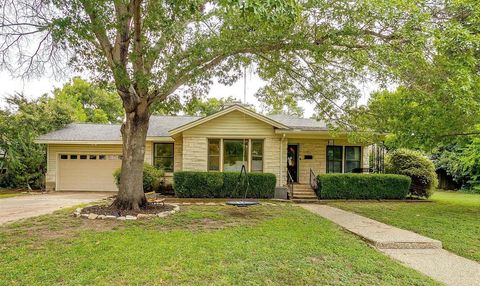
(292, 161)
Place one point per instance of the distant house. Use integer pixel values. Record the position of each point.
(82, 157)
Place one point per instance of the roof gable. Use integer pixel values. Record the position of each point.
(225, 111)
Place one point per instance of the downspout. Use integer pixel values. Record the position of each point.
(281, 159)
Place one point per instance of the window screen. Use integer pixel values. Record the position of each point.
(163, 157)
(334, 159)
(352, 158)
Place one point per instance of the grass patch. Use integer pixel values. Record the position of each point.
(8, 193)
(452, 218)
(213, 245)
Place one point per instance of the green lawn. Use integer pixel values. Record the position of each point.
(453, 218)
(7, 193)
(200, 245)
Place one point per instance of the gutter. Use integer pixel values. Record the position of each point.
(102, 142)
(281, 159)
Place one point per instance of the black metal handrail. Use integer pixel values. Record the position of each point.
(290, 182)
(313, 181)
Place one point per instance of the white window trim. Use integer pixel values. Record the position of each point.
(249, 152)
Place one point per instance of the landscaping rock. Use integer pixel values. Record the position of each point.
(130, 217)
(101, 217)
(164, 214)
(140, 216)
(121, 218)
(110, 217)
(92, 216)
(84, 215)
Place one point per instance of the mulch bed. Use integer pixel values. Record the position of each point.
(110, 210)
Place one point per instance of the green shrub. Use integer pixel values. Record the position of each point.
(362, 186)
(189, 184)
(152, 178)
(415, 165)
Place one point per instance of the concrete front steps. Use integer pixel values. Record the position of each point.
(303, 192)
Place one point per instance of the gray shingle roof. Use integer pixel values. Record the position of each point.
(293, 122)
(159, 126)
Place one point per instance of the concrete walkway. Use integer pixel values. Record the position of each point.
(413, 250)
(16, 208)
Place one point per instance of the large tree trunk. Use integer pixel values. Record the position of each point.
(134, 132)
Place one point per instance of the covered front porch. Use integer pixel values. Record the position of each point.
(305, 158)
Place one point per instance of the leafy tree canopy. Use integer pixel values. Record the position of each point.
(204, 107)
(20, 124)
(438, 99)
(90, 102)
(275, 103)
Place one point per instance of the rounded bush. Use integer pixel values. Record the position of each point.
(152, 178)
(415, 165)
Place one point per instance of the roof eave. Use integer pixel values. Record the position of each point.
(301, 131)
(102, 142)
(90, 142)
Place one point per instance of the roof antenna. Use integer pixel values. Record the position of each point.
(245, 85)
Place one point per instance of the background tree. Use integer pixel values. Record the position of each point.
(204, 107)
(153, 49)
(76, 101)
(90, 102)
(274, 103)
(437, 100)
(20, 124)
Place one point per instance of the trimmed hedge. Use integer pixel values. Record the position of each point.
(190, 184)
(152, 178)
(362, 186)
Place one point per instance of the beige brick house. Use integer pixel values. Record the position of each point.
(82, 157)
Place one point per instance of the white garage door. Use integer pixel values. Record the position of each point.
(87, 172)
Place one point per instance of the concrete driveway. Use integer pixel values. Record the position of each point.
(12, 209)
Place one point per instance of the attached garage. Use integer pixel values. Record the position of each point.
(87, 172)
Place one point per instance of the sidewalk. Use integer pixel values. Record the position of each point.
(416, 251)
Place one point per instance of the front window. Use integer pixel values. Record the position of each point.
(334, 159)
(235, 154)
(163, 156)
(257, 155)
(352, 158)
(214, 154)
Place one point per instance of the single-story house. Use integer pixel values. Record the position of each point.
(83, 156)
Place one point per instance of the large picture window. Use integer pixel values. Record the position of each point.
(230, 155)
(334, 159)
(352, 158)
(214, 154)
(235, 154)
(163, 156)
